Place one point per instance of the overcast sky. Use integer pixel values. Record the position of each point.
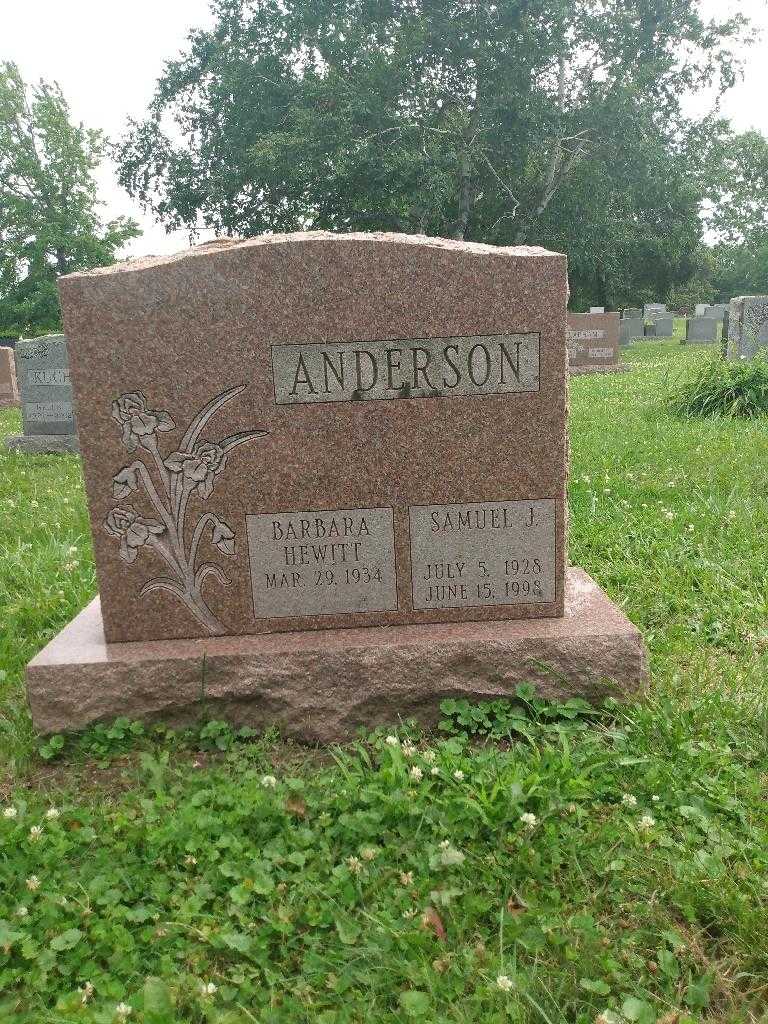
(107, 55)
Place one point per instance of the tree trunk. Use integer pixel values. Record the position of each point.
(465, 194)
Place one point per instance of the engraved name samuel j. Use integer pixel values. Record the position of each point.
(422, 368)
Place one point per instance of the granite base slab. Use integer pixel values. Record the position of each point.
(44, 444)
(320, 686)
(579, 371)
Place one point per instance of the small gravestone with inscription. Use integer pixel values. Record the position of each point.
(701, 328)
(47, 411)
(326, 478)
(747, 331)
(593, 343)
(9, 392)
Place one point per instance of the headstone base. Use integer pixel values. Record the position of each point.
(576, 371)
(43, 444)
(321, 686)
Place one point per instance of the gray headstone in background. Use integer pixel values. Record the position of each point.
(717, 312)
(701, 328)
(662, 327)
(701, 309)
(631, 312)
(630, 328)
(652, 310)
(597, 309)
(42, 369)
(747, 326)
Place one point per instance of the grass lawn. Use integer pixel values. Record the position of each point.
(606, 867)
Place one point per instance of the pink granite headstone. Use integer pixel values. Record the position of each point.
(9, 392)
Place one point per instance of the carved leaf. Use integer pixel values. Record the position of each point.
(235, 439)
(198, 423)
(209, 569)
(162, 583)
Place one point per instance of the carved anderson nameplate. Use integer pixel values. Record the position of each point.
(322, 563)
(423, 368)
(492, 553)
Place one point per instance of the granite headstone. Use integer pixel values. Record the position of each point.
(701, 328)
(630, 329)
(9, 392)
(353, 445)
(593, 342)
(747, 326)
(47, 410)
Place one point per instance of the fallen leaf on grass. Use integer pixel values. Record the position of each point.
(432, 920)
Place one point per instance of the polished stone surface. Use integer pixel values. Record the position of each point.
(187, 375)
(593, 339)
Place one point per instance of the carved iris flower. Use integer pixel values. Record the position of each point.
(199, 467)
(139, 423)
(133, 531)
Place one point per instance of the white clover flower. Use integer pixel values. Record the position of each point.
(434, 771)
(35, 832)
(444, 844)
(408, 914)
(458, 775)
(21, 911)
(268, 781)
(505, 983)
(369, 853)
(655, 798)
(207, 989)
(646, 822)
(669, 513)
(123, 1011)
(33, 883)
(53, 813)
(86, 992)
(408, 749)
(429, 756)
(190, 861)
(451, 856)
(392, 741)
(529, 820)
(71, 550)
(629, 800)
(10, 812)
(406, 878)
(355, 865)
(416, 773)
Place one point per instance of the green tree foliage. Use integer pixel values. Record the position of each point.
(48, 220)
(539, 121)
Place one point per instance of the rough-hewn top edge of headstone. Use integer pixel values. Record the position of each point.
(41, 337)
(228, 245)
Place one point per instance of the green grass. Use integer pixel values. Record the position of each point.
(328, 897)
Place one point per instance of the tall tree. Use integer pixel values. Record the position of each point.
(477, 120)
(48, 220)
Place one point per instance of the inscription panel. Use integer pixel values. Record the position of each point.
(322, 563)
(492, 553)
(49, 378)
(413, 368)
(46, 412)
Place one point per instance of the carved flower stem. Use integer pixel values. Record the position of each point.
(196, 604)
(197, 536)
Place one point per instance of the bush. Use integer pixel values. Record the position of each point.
(721, 389)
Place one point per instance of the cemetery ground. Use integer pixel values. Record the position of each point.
(574, 866)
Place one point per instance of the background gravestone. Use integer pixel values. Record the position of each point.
(9, 392)
(652, 310)
(632, 313)
(42, 367)
(597, 309)
(289, 436)
(701, 309)
(747, 326)
(630, 329)
(661, 327)
(593, 342)
(701, 328)
(717, 311)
